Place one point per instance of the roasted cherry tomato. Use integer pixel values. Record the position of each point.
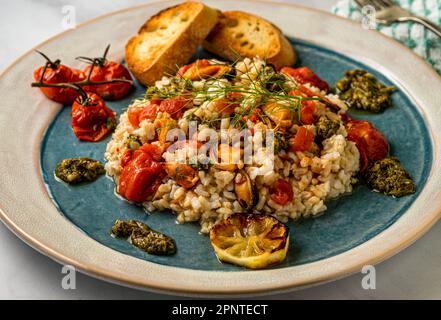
(58, 73)
(302, 140)
(175, 106)
(305, 75)
(142, 175)
(137, 114)
(109, 70)
(92, 120)
(126, 157)
(371, 143)
(282, 192)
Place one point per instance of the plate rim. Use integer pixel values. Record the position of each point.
(118, 278)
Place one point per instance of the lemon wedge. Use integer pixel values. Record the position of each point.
(254, 241)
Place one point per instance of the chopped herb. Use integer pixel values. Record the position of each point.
(76, 170)
(389, 177)
(144, 237)
(361, 90)
(133, 142)
(326, 128)
(281, 142)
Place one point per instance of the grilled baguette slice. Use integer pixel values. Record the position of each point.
(240, 34)
(169, 39)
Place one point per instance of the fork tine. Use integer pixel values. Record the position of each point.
(388, 3)
(378, 5)
(363, 3)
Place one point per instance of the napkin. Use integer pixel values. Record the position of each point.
(415, 36)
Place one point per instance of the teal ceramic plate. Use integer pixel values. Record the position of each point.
(71, 223)
(348, 222)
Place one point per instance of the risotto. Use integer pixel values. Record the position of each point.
(285, 141)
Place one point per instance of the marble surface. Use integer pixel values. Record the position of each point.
(26, 274)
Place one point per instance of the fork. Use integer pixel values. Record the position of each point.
(388, 12)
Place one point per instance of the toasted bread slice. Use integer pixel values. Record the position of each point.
(169, 39)
(240, 34)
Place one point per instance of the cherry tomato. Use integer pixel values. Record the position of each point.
(305, 75)
(302, 140)
(282, 192)
(108, 71)
(141, 177)
(93, 121)
(371, 143)
(59, 73)
(175, 106)
(127, 157)
(137, 114)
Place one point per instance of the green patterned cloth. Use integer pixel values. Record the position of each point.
(421, 40)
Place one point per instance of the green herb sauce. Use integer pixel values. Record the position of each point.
(389, 177)
(77, 170)
(361, 90)
(143, 237)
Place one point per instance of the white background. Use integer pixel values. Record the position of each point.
(26, 274)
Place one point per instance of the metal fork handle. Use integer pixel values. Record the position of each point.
(425, 22)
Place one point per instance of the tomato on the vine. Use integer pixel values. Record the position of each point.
(56, 73)
(109, 70)
(92, 120)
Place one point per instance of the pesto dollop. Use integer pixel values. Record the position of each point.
(77, 170)
(144, 237)
(361, 90)
(389, 177)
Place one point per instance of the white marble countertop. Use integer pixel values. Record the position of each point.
(26, 274)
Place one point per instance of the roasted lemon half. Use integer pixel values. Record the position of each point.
(253, 241)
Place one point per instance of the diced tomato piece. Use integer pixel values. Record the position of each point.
(148, 112)
(303, 140)
(307, 111)
(133, 115)
(282, 192)
(175, 106)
